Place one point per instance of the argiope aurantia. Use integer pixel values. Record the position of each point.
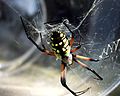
(61, 47)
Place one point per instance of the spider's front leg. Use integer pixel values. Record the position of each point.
(29, 27)
(72, 38)
(63, 81)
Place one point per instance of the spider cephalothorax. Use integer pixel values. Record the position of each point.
(61, 49)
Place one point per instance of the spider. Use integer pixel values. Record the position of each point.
(61, 47)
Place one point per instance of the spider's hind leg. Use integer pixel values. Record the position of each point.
(63, 81)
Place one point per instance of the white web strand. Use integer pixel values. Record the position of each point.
(95, 3)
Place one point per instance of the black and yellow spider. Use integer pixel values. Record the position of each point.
(61, 47)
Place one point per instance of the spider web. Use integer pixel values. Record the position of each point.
(101, 41)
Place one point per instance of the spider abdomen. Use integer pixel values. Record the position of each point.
(60, 43)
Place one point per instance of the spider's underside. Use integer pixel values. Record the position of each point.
(61, 48)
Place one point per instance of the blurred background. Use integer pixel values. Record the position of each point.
(25, 71)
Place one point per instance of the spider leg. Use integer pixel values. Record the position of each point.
(27, 25)
(72, 38)
(63, 81)
(75, 49)
(42, 41)
(46, 51)
(85, 58)
(85, 66)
